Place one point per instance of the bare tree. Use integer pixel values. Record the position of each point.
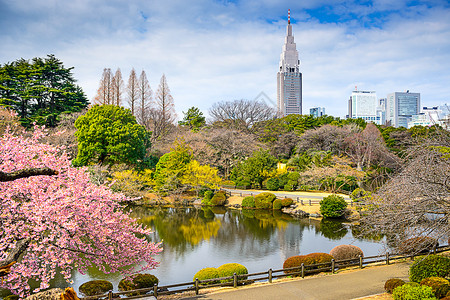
(163, 115)
(132, 91)
(105, 91)
(142, 112)
(241, 114)
(117, 88)
(416, 202)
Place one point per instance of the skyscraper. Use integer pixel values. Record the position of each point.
(289, 78)
(400, 107)
(364, 104)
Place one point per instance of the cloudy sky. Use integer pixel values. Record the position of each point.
(223, 50)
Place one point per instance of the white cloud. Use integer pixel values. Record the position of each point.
(214, 51)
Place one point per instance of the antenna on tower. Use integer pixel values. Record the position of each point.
(289, 16)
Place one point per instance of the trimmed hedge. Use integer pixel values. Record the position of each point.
(392, 283)
(264, 200)
(333, 206)
(227, 270)
(139, 281)
(343, 252)
(307, 260)
(430, 266)
(286, 202)
(219, 198)
(409, 291)
(248, 202)
(95, 287)
(207, 273)
(436, 283)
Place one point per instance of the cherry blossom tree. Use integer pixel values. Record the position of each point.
(53, 218)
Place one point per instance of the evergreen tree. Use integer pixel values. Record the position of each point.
(40, 90)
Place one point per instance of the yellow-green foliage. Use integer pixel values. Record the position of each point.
(430, 266)
(436, 283)
(131, 182)
(248, 202)
(139, 281)
(95, 287)
(207, 273)
(228, 270)
(264, 200)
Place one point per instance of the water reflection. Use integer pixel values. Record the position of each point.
(195, 238)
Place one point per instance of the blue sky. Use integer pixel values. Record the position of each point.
(224, 50)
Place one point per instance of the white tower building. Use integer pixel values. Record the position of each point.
(289, 78)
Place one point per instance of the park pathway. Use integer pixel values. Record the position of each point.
(342, 286)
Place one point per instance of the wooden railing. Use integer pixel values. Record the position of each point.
(268, 275)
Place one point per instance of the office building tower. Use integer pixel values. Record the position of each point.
(400, 107)
(317, 111)
(289, 77)
(364, 105)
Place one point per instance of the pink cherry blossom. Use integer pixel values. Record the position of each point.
(71, 222)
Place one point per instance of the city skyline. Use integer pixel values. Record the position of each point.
(216, 51)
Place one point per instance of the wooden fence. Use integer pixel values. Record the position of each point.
(268, 275)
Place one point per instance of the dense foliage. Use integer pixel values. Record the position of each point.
(207, 273)
(392, 283)
(429, 266)
(138, 281)
(333, 206)
(193, 119)
(110, 134)
(40, 90)
(412, 292)
(438, 284)
(307, 260)
(264, 200)
(229, 269)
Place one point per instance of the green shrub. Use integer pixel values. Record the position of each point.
(294, 177)
(277, 204)
(95, 287)
(392, 283)
(430, 266)
(207, 273)
(248, 202)
(435, 283)
(320, 258)
(442, 291)
(272, 184)
(228, 270)
(286, 202)
(206, 193)
(264, 200)
(418, 244)
(207, 197)
(343, 252)
(413, 292)
(219, 198)
(332, 206)
(139, 281)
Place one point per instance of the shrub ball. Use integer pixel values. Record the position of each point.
(296, 261)
(409, 291)
(228, 270)
(139, 281)
(343, 252)
(436, 283)
(207, 273)
(430, 266)
(95, 287)
(286, 202)
(277, 204)
(248, 202)
(333, 206)
(264, 200)
(219, 199)
(392, 283)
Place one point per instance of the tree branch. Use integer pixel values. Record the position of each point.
(15, 253)
(26, 173)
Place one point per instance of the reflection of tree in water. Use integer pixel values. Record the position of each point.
(359, 234)
(332, 229)
(179, 227)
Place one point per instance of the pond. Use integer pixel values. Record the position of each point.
(195, 238)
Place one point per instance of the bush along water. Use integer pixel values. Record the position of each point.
(95, 287)
(228, 270)
(207, 273)
(264, 200)
(344, 252)
(333, 206)
(248, 202)
(306, 260)
(139, 281)
(218, 199)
